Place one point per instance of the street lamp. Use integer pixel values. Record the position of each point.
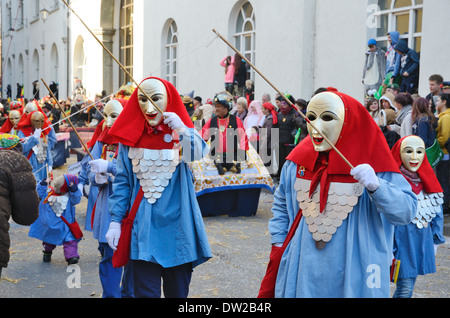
(44, 14)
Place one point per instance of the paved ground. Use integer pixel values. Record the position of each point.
(240, 249)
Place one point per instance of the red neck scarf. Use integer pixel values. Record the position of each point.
(428, 179)
(7, 127)
(26, 127)
(132, 129)
(361, 142)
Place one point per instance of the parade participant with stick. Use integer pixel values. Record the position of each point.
(101, 172)
(340, 220)
(415, 243)
(56, 224)
(38, 143)
(167, 238)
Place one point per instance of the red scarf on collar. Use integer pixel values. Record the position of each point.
(361, 142)
(132, 129)
(6, 127)
(25, 125)
(428, 179)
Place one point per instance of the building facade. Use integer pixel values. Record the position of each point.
(299, 45)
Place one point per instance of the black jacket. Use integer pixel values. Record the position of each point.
(18, 196)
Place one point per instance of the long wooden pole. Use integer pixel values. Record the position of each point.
(281, 94)
(114, 58)
(68, 120)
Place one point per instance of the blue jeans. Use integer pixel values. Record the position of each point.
(405, 287)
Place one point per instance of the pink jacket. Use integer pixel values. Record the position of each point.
(229, 76)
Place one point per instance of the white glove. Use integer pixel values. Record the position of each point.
(99, 165)
(365, 175)
(37, 133)
(174, 121)
(113, 235)
(101, 178)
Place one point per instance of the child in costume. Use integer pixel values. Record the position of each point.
(414, 243)
(342, 246)
(168, 238)
(101, 172)
(56, 224)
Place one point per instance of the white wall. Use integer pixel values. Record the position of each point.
(434, 58)
(341, 42)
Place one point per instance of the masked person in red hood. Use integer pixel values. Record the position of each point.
(414, 243)
(10, 125)
(342, 245)
(100, 173)
(168, 239)
(40, 139)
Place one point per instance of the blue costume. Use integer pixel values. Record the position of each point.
(168, 238)
(39, 168)
(49, 227)
(169, 232)
(361, 245)
(98, 222)
(93, 191)
(414, 243)
(343, 244)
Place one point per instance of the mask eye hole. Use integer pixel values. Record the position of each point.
(143, 99)
(311, 116)
(327, 118)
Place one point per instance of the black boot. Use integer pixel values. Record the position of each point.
(47, 257)
(73, 260)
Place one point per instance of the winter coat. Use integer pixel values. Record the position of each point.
(289, 125)
(380, 57)
(410, 60)
(18, 196)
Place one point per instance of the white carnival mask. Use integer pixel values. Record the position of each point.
(30, 107)
(412, 153)
(155, 90)
(326, 111)
(112, 110)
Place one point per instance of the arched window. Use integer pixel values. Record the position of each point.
(245, 33)
(54, 63)
(404, 16)
(171, 53)
(126, 38)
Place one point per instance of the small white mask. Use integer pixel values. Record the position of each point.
(155, 90)
(326, 111)
(412, 153)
